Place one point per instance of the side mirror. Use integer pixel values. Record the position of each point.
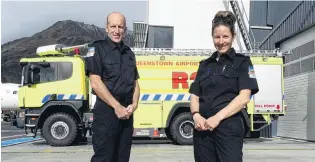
(35, 77)
(32, 76)
(45, 64)
(35, 69)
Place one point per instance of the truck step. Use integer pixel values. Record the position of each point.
(32, 115)
(30, 134)
(30, 125)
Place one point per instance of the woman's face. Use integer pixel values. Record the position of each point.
(222, 38)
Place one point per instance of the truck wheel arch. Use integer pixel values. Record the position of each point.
(57, 106)
(175, 110)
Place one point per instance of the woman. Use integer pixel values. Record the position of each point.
(222, 88)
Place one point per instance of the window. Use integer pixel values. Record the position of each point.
(286, 70)
(295, 68)
(301, 51)
(48, 74)
(55, 71)
(287, 59)
(307, 49)
(307, 65)
(65, 70)
(296, 53)
(160, 37)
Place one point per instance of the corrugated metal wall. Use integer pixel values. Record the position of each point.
(269, 13)
(299, 122)
(299, 84)
(264, 13)
(140, 34)
(294, 123)
(302, 17)
(311, 107)
(258, 13)
(278, 10)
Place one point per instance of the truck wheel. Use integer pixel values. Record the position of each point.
(168, 134)
(182, 128)
(59, 129)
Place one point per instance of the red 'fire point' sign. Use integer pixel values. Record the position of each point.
(278, 107)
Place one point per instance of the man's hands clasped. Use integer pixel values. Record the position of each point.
(123, 112)
(130, 109)
(202, 124)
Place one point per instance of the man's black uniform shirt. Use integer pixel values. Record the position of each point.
(116, 65)
(218, 82)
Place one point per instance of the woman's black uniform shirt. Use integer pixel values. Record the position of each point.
(218, 82)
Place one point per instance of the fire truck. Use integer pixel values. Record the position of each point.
(56, 100)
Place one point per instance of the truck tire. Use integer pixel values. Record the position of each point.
(182, 129)
(59, 129)
(168, 134)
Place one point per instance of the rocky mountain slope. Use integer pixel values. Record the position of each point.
(66, 32)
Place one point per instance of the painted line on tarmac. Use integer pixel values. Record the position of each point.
(19, 135)
(6, 143)
(144, 150)
(293, 139)
(7, 131)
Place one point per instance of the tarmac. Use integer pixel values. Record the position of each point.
(255, 150)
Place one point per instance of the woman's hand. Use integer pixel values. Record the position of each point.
(212, 122)
(199, 122)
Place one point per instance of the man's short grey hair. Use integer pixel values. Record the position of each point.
(116, 13)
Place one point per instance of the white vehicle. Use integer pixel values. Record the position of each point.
(9, 100)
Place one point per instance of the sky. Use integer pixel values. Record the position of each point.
(26, 18)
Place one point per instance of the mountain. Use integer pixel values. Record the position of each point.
(66, 32)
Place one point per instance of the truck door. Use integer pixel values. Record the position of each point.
(148, 114)
(38, 93)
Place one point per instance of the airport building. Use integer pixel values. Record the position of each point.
(296, 32)
(186, 24)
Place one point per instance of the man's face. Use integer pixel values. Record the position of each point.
(116, 27)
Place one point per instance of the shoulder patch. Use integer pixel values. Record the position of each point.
(90, 52)
(251, 72)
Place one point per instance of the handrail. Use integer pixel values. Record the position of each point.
(240, 12)
(249, 28)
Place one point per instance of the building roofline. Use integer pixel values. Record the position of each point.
(279, 25)
(277, 44)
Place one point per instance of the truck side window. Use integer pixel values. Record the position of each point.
(48, 74)
(65, 70)
(56, 71)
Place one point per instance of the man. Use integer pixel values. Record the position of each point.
(111, 67)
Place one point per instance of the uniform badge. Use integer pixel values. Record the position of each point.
(251, 72)
(90, 52)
